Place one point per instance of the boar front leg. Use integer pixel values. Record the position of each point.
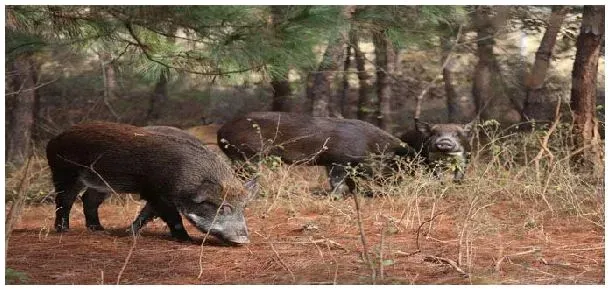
(146, 215)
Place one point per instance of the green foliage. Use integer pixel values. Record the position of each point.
(12, 276)
(411, 26)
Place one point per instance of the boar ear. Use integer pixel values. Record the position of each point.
(467, 128)
(204, 192)
(422, 127)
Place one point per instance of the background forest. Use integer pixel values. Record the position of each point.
(532, 77)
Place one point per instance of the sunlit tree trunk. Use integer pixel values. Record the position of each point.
(539, 106)
(365, 103)
(460, 109)
(110, 80)
(584, 88)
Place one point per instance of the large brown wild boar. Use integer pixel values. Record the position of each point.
(448, 144)
(301, 139)
(174, 175)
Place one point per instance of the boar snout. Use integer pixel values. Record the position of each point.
(231, 229)
(445, 145)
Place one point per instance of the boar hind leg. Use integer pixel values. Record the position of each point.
(91, 202)
(169, 214)
(67, 187)
(146, 215)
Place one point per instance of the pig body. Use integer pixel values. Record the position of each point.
(299, 139)
(174, 175)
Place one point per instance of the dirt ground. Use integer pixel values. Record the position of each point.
(318, 244)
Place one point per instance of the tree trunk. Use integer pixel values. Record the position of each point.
(158, 97)
(323, 78)
(281, 92)
(365, 103)
(385, 60)
(538, 105)
(110, 81)
(584, 89)
(23, 81)
(460, 109)
(490, 106)
(344, 101)
(279, 82)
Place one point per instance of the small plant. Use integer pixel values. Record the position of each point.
(12, 276)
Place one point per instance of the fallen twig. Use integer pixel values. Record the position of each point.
(499, 262)
(365, 253)
(435, 259)
(133, 246)
(282, 262)
(16, 207)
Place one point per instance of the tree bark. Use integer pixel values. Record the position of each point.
(158, 97)
(490, 106)
(23, 81)
(460, 109)
(365, 103)
(281, 92)
(385, 61)
(538, 105)
(110, 81)
(321, 91)
(279, 82)
(344, 101)
(584, 89)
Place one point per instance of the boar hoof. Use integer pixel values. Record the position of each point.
(60, 228)
(181, 236)
(95, 228)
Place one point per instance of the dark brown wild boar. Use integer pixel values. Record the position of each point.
(448, 144)
(147, 213)
(174, 175)
(330, 142)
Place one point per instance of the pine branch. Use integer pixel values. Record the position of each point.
(145, 49)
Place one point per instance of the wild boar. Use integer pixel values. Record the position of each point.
(448, 144)
(300, 139)
(174, 175)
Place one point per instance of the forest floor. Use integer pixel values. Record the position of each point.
(315, 240)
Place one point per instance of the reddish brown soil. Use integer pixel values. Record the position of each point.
(283, 251)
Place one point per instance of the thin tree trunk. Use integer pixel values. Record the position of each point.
(110, 81)
(584, 88)
(279, 82)
(323, 78)
(384, 59)
(344, 101)
(24, 77)
(538, 105)
(281, 92)
(158, 97)
(365, 102)
(460, 109)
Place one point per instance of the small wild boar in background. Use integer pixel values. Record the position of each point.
(300, 139)
(174, 175)
(442, 146)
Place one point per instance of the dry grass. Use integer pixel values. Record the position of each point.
(509, 222)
